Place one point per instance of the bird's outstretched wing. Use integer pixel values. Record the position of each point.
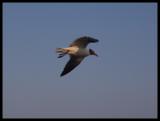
(71, 64)
(82, 42)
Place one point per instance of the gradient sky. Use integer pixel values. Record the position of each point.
(120, 83)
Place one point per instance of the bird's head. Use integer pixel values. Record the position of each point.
(92, 52)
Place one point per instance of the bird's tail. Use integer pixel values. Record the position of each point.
(62, 52)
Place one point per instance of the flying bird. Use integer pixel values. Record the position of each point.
(77, 51)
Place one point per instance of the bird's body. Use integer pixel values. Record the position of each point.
(77, 51)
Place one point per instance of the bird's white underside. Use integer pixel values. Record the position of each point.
(77, 51)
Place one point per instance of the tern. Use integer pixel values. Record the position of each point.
(77, 51)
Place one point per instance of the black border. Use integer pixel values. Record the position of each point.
(55, 1)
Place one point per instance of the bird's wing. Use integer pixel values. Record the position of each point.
(83, 41)
(71, 64)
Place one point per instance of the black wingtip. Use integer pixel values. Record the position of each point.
(93, 40)
(62, 74)
(96, 40)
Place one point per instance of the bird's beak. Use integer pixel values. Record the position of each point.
(95, 54)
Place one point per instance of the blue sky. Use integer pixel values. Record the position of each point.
(120, 83)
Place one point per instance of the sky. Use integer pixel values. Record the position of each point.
(120, 83)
